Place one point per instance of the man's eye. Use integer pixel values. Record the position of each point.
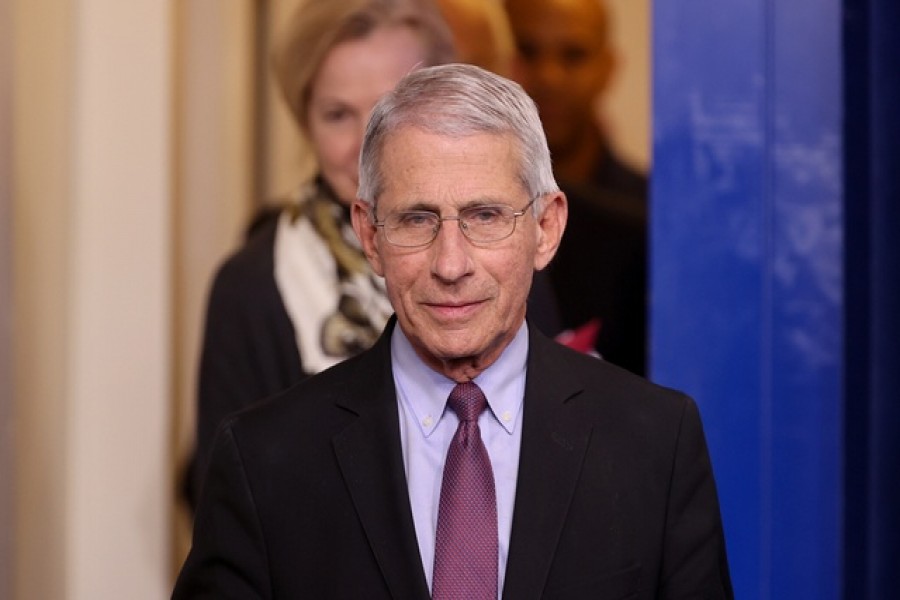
(415, 219)
(484, 214)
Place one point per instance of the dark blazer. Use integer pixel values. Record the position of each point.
(306, 493)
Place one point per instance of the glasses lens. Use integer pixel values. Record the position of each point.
(412, 228)
(487, 223)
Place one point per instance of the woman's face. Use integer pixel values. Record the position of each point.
(351, 79)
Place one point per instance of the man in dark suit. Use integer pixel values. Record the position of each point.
(363, 481)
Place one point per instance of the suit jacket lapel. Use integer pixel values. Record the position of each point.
(371, 460)
(554, 441)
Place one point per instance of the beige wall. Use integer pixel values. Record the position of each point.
(132, 178)
(42, 178)
(626, 106)
(6, 423)
(213, 193)
(290, 162)
(92, 288)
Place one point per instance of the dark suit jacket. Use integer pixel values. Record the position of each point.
(306, 493)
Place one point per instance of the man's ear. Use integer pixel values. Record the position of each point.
(551, 224)
(365, 229)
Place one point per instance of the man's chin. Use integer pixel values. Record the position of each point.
(455, 351)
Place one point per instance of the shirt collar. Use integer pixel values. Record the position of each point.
(425, 391)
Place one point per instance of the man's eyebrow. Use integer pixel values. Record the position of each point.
(427, 206)
(421, 205)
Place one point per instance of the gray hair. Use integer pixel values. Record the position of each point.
(458, 100)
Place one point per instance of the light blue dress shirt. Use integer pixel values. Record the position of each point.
(427, 426)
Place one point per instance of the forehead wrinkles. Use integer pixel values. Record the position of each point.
(417, 162)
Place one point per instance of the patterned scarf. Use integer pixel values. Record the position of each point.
(353, 321)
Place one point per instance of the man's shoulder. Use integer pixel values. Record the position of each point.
(318, 406)
(599, 385)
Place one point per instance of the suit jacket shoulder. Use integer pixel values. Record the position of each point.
(306, 495)
(615, 493)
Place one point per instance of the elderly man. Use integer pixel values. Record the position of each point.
(465, 455)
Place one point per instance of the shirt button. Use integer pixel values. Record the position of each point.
(427, 421)
(506, 416)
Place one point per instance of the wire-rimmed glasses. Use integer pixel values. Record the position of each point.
(482, 224)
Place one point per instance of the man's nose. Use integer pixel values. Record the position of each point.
(451, 252)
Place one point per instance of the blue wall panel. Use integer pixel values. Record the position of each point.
(746, 271)
(707, 248)
(805, 151)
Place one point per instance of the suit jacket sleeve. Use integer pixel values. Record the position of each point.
(694, 560)
(228, 557)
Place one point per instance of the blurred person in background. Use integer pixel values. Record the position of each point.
(481, 33)
(565, 62)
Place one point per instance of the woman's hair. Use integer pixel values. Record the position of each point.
(458, 100)
(317, 26)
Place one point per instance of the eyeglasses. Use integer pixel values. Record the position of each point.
(481, 224)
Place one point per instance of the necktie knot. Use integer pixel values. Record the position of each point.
(467, 401)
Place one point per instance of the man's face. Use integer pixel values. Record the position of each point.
(458, 302)
(564, 62)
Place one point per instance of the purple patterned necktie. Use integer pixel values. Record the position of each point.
(465, 553)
